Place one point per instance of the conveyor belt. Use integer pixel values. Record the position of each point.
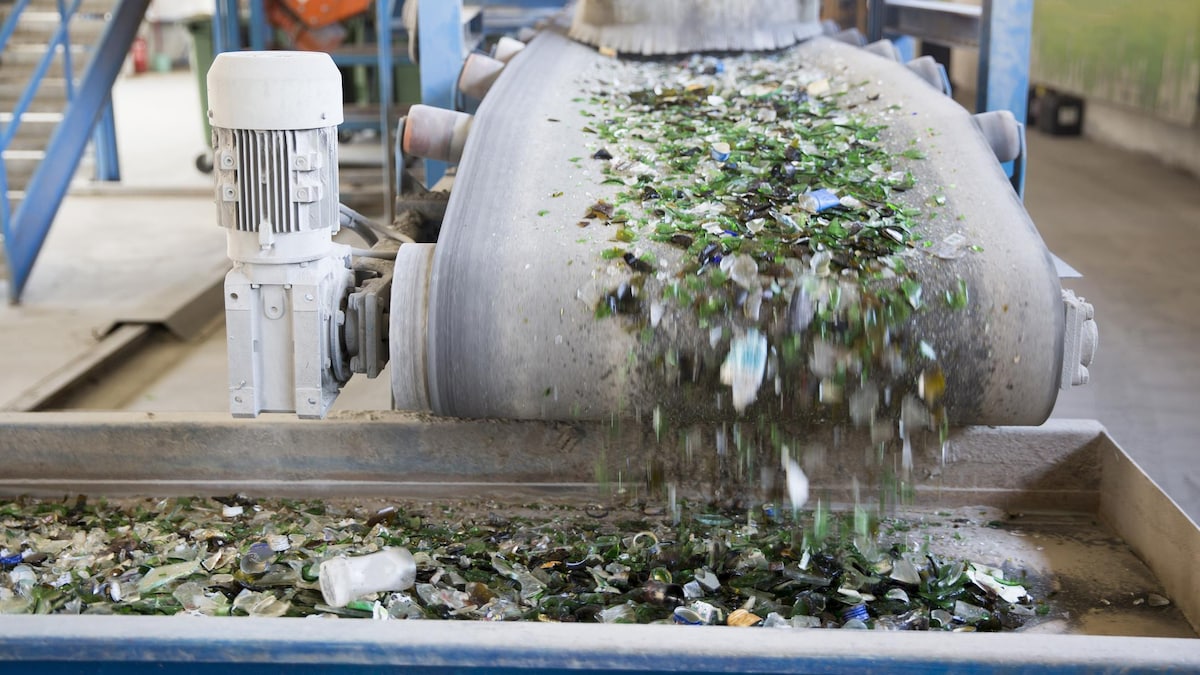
(511, 331)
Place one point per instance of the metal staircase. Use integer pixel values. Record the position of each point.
(58, 62)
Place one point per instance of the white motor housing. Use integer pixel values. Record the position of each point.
(274, 117)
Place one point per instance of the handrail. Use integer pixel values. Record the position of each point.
(5, 207)
(65, 23)
(48, 185)
(10, 22)
(61, 38)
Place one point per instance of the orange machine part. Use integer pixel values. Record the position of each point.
(300, 36)
(318, 13)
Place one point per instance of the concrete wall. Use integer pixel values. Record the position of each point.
(1136, 64)
(1175, 145)
(1142, 55)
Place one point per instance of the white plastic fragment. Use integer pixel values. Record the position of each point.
(278, 542)
(344, 579)
(744, 367)
(797, 484)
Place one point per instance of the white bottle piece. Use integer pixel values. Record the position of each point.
(344, 579)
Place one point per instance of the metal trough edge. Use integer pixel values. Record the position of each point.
(1064, 465)
(142, 644)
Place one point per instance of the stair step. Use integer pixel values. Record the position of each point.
(10, 90)
(31, 53)
(23, 155)
(30, 140)
(33, 118)
(34, 131)
(36, 30)
(21, 68)
(88, 7)
(15, 197)
(19, 171)
(46, 100)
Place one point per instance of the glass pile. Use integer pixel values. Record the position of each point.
(236, 556)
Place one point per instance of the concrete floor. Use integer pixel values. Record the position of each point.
(1131, 226)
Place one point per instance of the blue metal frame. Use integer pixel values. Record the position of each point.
(259, 31)
(48, 645)
(104, 144)
(226, 31)
(26, 232)
(39, 73)
(1004, 57)
(7, 224)
(1007, 35)
(10, 22)
(384, 76)
(440, 62)
(1002, 81)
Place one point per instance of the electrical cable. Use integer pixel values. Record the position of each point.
(372, 253)
(353, 217)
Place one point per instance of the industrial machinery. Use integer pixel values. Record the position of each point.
(502, 310)
(551, 348)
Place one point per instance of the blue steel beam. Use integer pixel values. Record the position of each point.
(35, 80)
(1004, 45)
(10, 22)
(49, 182)
(1007, 33)
(104, 141)
(64, 17)
(226, 28)
(440, 31)
(384, 11)
(259, 30)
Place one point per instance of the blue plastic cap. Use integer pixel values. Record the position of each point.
(825, 199)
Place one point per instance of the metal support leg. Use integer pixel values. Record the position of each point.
(440, 61)
(226, 31)
(875, 19)
(258, 26)
(1007, 33)
(384, 11)
(1004, 57)
(104, 140)
(218, 29)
